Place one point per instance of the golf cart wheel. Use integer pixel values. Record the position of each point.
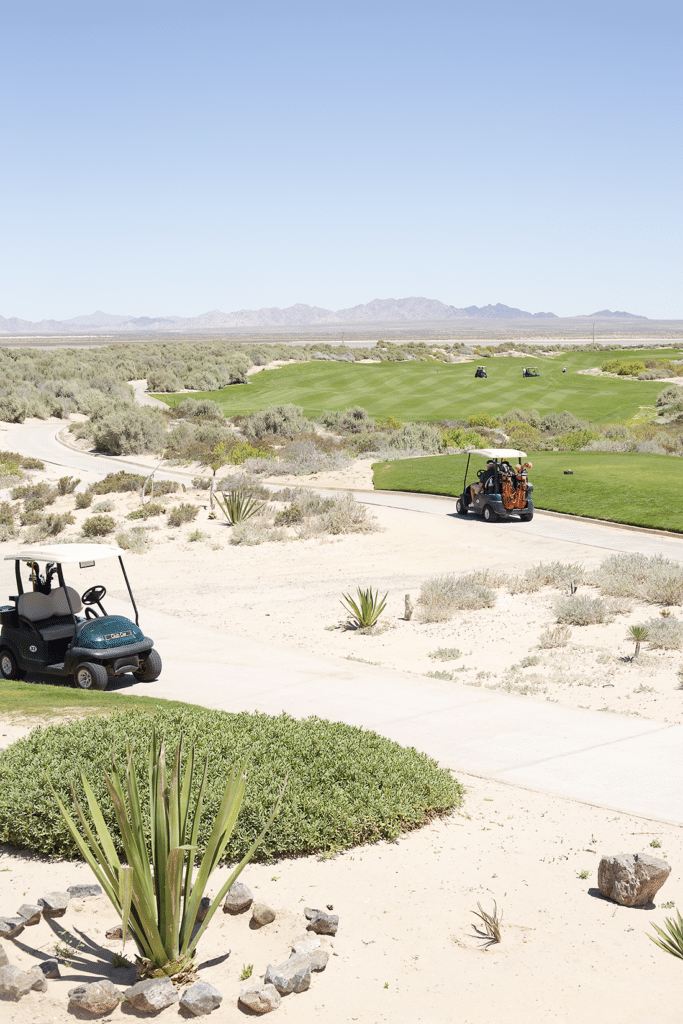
(9, 668)
(489, 515)
(150, 667)
(90, 676)
(460, 507)
(526, 517)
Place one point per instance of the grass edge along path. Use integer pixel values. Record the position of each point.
(618, 487)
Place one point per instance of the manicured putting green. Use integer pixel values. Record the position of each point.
(621, 487)
(430, 391)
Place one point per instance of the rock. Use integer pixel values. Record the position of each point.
(4, 959)
(262, 999)
(632, 879)
(79, 892)
(262, 914)
(151, 995)
(200, 998)
(116, 932)
(39, 979)
(239, 898)
(294, 975)
(54, 904)
(319, 958)
(320, 922)
(50, 968)
(11, 926)
(98, 997)
(30, 913)
(204, 905)
(14, 983)
(305, 943)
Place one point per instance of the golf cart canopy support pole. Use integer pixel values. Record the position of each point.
(467, 467)
(130, 592)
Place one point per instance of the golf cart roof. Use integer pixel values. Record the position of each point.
(65, 553)
(499, 453)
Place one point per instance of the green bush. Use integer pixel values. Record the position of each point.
(84, 499)
(631, 369)
(7, 514)
(346, 785)
(458, 437)
(483, 419)
(67, 484)
(574, 440)
(147, 511)
(98, 526)
(55, 522)
(130, 430)
(43, 491)
(611, 366)
(183, 513)
(279, 421)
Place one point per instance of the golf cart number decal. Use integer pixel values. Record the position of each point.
(115, 636)
(32, 648)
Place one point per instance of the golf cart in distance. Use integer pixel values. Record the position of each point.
(501, 489)
(480, 372)
(530, 371)
(42, 632)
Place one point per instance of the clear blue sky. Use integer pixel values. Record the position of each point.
(171, 158)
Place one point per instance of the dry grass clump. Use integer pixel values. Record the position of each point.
(490, 577)
(653, 578)
(251, 533)
(135, 540)
(664, 634)
(442, 596)
(346, 515)
(551, 574)
(579, 610)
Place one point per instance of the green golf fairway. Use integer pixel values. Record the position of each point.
(431, 390)
(621, 487)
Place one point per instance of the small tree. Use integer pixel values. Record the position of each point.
(219, 457)
(639, 634)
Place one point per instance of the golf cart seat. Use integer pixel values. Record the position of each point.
(49, 613)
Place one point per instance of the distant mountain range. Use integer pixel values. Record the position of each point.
(299, 315)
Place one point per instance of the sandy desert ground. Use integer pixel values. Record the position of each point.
(405, 950)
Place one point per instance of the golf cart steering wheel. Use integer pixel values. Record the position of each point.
(93, 595)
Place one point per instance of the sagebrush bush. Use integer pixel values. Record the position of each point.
(669, 395)
(98, 526)
(130, 430)
(67, 484)
(252, 533)
(55, 522)
(554, 636)
(579, 610)
(147, 511)
(83, 499)
(346, 515)
(346, 785)
(665, 634)
(123, 483)
(281, 421)
(183, 513)
(136, 540)
(441, 596)
(421, 437)
(7, 514)
(547, 574)
(355, 421)
(204, 409)
(650, 578)
(562, 423)
(104, 506)
(43, 491)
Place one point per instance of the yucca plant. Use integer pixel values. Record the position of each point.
(639, 634)
(238, 505)
(671, 936)
(367, 609)
(154, 891)
(490, 933)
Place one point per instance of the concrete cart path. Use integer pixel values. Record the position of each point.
(627, 764)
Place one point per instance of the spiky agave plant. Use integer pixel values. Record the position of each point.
(156, 892)
(671, 936)
(367, 609)
(238, 505)
(639, 634)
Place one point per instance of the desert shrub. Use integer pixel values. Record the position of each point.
(445, 654)
(248, 484)
(67, 484)
(240, 452)
(7, 514)
(104, 506)
(135, 540)
(34, 505)
(98, 526)
(361, 444)
(332, 799)
(415, 437)
(201, 483)
(532, 417)
(649, 578)
(30, 517)
(579, 610)
(163, 381)
(554, 636)
(547, 574)
(42, 491)
(250, 534)
(300, 458)
(346, 515)
(458, 437)
(146, 511)
(665, 634)
(10, 472)
(524, 435)
(576, 439)
(669, 395)
(84, 499)
(278, 421)
(204, 409)
(183, 513)
(355, 421)
(483, 419)
(441, 596)
(55, 522)
(489, 577)
(118, 483)
(289, 516)
(329, 418)
(388, 423)
(562, 423)
(130, 430)
(631, 369)
(616, 432)
(23, 461)
(611, 366)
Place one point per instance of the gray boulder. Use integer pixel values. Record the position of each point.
(319, 958)
(4, 959)
(238, 899)
(321, 922)
(294, 975)
(262, 914)
(200, 998)
(98, 997)
(30, 913)
(54, 904)
(79, 892)
(14, 983)
(50, 968)
(38, 978)
(151, 995)
(306, 943)
(116, 932)
(262, 999)
(11, 926)
(632, 879)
